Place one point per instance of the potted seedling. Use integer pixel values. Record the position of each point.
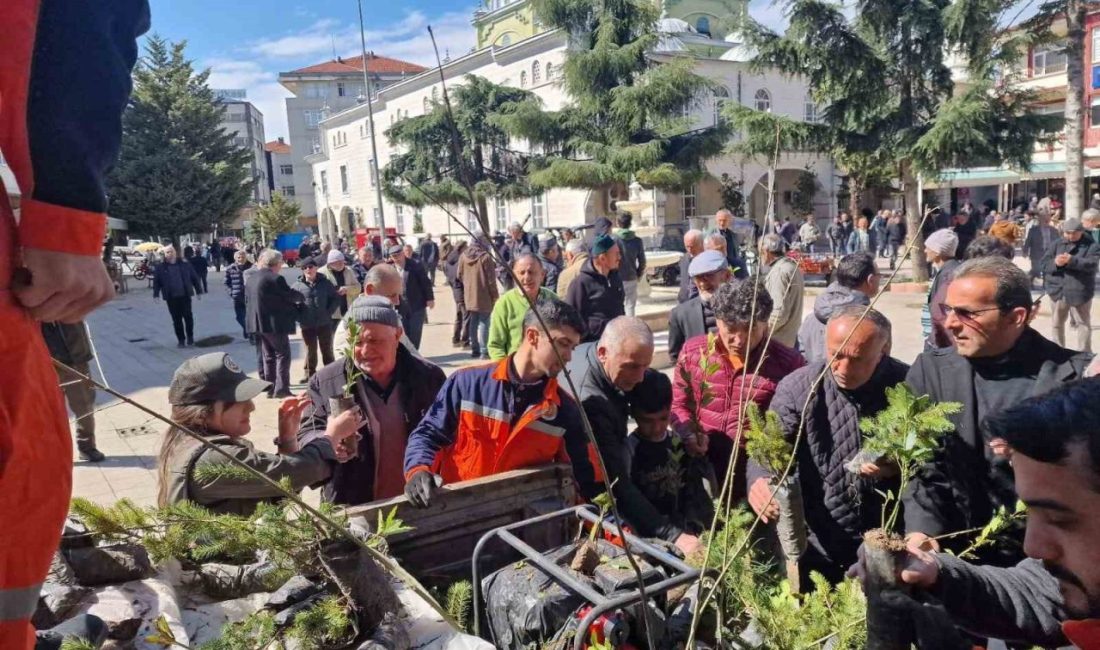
(907, 433)
(346, 401)
(767, 446)
(587, 557)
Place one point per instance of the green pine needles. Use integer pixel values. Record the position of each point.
(907, 432)
(765, 442)
(353, 371)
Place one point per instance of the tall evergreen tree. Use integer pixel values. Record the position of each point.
(428, 171)
(623, 118)
(179, 171)
(279, 216)
(884, 80)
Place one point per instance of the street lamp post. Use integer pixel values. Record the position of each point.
(374, 176)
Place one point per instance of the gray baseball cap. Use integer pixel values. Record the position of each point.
(1072, 225)
(212, 377)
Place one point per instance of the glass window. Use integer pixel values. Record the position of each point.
(506, 40)
(288, 190)
(373, 172)
(762, 101)
(471, 222)
(324, 183)
(1094, 113)
(313, 118)
(286, 170)
(523, 79)
(344, 179)
(721, 95)
(400, 213)
(702, 25)
(1048, 59)
(536, 73)
(538, 211)
(315, 144)
(811, 110)
(1058, 110)
(1096, 45)
(341, 90)
(689, 207)
(549, 71)
(502, 214)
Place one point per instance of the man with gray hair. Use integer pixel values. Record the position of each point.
(1069, 271)
(997, 360)
(576, 254)
(517, 243)
(784, 282)
(604, 373)
(840, 503)
(275, 318)
(693, 245)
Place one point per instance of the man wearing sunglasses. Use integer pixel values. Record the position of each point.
(997, 361)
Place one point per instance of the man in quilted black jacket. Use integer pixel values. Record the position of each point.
(839, 495)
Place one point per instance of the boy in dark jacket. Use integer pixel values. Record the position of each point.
(661, 469)
(315, 315)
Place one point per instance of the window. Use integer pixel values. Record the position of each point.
(344, 179)
(315, 144)
(373, 172)
(1048, 59)
(538, 211)
(536, 73)
(235, 117)
(763, 101)
(287, 190)
(341, 90)
(1058, 110)
(721, 96)
(377, 217)
(502, 214)
(1094, 113)
(549, 71)
(400, 212)
(315, 91)
(506, 40)
(522, 78)
(241, 141)
(702, 25)
(313, 118)
(1096, 45)
(689, 207)
(324, 183)
(286, 170)
(471, 222)
(811, 110)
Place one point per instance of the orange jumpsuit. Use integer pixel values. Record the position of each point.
(64, 80)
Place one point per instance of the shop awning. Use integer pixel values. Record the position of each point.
(984, 176)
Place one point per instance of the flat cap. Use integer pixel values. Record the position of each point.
(707, 262)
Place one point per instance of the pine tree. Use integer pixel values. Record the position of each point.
(885, 82)
(427, 171)
(279, 216)
(178, 170)
(623, 119)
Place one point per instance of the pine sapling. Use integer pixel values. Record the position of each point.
(908, 432)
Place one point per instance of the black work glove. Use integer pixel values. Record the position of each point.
(419, 488)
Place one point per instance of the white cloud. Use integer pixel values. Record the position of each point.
(768, 13)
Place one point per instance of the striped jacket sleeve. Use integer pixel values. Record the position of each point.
(64, 82)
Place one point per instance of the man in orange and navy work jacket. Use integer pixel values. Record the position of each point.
(504, 416)
(64, 81)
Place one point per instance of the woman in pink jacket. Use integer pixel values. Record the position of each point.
(727, 362)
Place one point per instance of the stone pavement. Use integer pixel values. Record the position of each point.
(137, 349)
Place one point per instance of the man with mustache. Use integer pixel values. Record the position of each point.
(1053, 597)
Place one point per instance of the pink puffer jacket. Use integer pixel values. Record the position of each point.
(722, 414)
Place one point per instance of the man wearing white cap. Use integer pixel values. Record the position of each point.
(344, 279)
(708, 270)
(940, 249)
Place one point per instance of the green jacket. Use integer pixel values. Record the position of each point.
(506, 323)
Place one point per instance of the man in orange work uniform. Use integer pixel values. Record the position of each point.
(64, 81)
(504, 416)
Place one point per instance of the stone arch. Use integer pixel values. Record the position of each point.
(327, 225)
(346, 224)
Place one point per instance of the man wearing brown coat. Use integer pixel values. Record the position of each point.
(480, 294)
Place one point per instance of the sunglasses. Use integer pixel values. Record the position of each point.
(971, 315)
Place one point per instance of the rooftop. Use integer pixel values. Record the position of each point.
(376, 64)
(277, 146)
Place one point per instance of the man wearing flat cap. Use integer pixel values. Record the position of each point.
(597, 294)
(417, 297)
(1070, 271)
(392, 388)
(708, 270)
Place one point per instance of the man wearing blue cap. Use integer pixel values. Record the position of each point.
(708, 270)
(597, 294)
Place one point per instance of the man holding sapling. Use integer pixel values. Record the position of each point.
(391, 387)
(503, 416)
(1053, 597)
(841, 499)
(998, 361)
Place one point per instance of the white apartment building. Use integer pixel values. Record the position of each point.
(346, 175)
(245, 123)
(323, 90)
(280, 167)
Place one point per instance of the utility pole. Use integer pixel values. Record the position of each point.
(375, 175)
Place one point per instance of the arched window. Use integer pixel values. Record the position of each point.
(536, 73)
(427, 105)
(522, 78)
(811, 110)
(721, 96)
(506, 40)
(549, 71)
(763, 101)
(702, 25)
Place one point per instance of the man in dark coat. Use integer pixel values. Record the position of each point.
(550, 258)
(315, 315)
(597, 293)
(1070, 271)
(708, 271)
(234, 284)
(997, 361)
(840, 504)
(453, 271)
(1040, 237)
(723, 219)
(393, 389)
(518, 242)
(429, 256)
(69, 344)
(276, 310)
(604, 373)
(419, 296)
(177, 281)
(693, 245)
